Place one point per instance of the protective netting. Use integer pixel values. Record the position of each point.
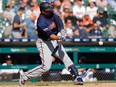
(63, 75)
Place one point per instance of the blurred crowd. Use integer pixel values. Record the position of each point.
(81, 18)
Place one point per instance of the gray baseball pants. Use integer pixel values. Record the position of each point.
(46, 48)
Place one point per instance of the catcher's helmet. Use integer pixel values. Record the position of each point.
(45, 6)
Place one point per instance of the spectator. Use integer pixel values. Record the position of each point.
(100, 19)
(71, 17)
(112, 3)
(36, 7)
(92, 10)
(105, 31)
(76, 33)
(92, 1)
(52, 3)
(58, 4)
(75, 11)
(78, 23)
(13, 6)
(29, 11)
(69, 29)
(78, 9)
(19, 3)
(47, 0)
(8, 14)
(96, 32)
(88, 29)
(65, 12)
(18, 24)
(24, 4)
(101, 3)
(81, 29)
(30, 26)
(86, 19)
(112, 31)
(66, 3)
(8, 61)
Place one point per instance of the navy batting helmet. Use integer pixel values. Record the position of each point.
(45, 6)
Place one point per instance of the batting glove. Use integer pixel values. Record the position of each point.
(63, 33)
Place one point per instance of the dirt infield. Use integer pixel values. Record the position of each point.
(66, 85)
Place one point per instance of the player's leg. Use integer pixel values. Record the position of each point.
(62, 55)
(45, 54)
(46, 59)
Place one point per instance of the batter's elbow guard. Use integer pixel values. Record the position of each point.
(72, 69)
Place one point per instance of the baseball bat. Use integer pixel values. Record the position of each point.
(55, 50)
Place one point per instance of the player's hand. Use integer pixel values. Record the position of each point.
(61, 38)
(63, 34)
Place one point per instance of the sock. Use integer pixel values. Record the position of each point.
(72, 69)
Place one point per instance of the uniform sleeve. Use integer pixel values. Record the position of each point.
(42, 25)
(58, 21)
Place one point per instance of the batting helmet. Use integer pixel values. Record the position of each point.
(45, 6)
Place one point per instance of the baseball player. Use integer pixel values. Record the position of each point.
(48, 26)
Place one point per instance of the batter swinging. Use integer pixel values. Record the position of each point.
(48, 26)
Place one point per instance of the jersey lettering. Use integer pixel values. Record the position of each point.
(46, 29)
(52, 26)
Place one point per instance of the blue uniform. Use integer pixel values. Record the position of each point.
(48, 26)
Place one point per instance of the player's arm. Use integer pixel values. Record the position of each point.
(54, 37)
(42, 25)
(60, 25)
(58, 21)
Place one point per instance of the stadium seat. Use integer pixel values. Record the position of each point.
(111, 13)
(109, 8)
(3, 24)
(86, 3)
(100, 8)
(4, 3)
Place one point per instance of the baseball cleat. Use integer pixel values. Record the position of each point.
(23, 78)
(78, 81)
